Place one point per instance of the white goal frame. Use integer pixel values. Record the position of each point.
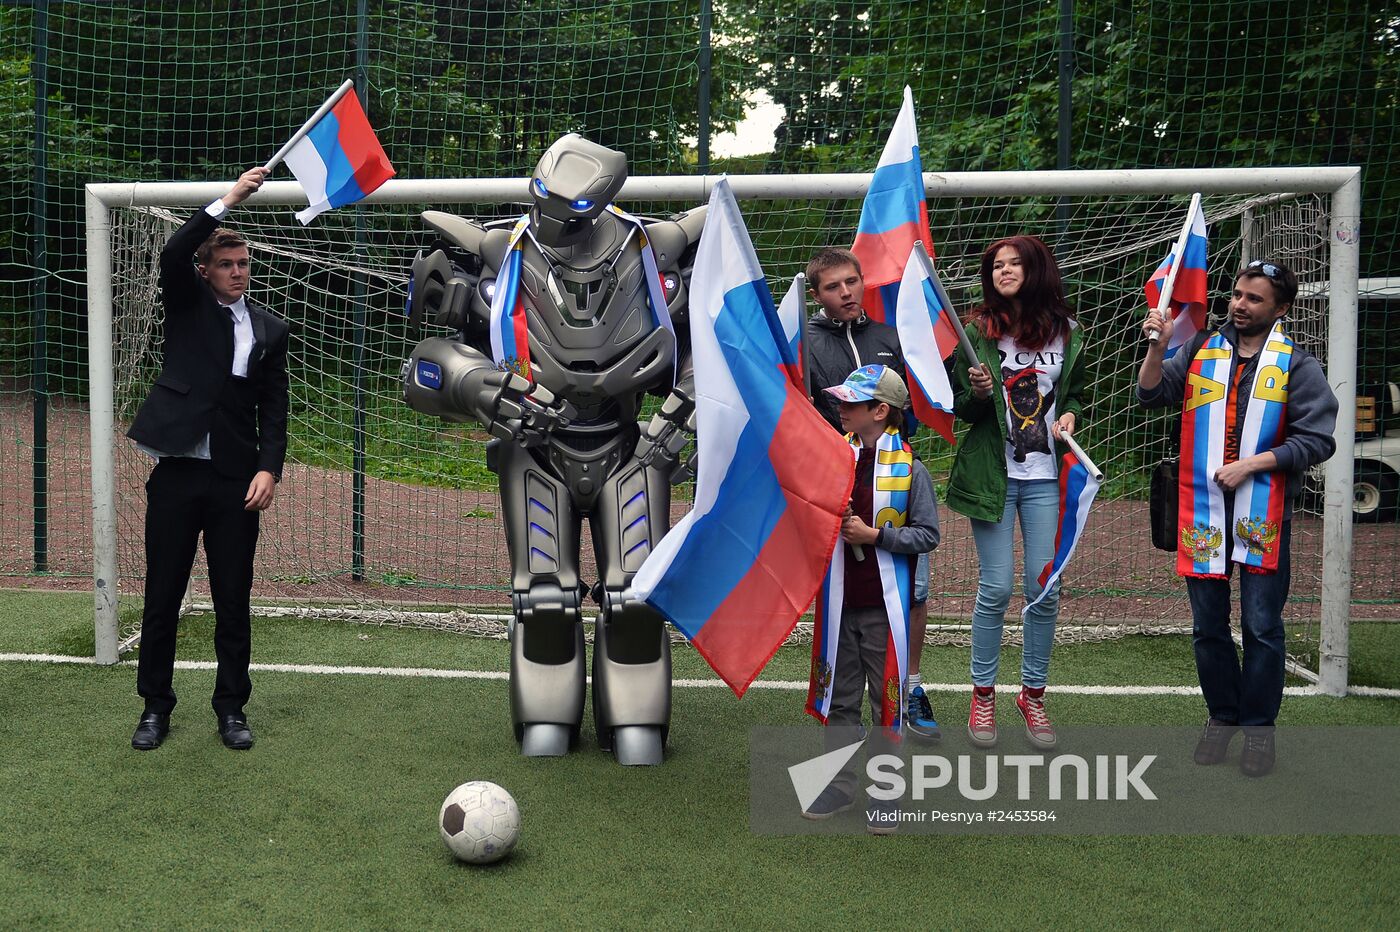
(1342, 184)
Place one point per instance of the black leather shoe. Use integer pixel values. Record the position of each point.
(235, 732)
(1214, 743)
(1257, 758)
(150, 731)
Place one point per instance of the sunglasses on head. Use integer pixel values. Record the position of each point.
(1268, 268)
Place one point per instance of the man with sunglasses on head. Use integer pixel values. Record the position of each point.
(1257, 412)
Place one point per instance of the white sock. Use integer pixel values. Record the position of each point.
(915, 681)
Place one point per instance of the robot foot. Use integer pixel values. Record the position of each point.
(545, 739)
(638, 745)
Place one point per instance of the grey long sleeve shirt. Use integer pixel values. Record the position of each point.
(1311, 412)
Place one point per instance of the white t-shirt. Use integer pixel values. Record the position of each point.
(1028, 380)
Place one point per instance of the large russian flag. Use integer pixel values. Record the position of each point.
(772, 478)
(1077, 490)
(1188, 298)
(893, 217)
(927, 337)
(339, 160)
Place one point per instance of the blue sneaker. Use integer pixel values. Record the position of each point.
(919, 717)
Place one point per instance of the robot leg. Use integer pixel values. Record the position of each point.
(546, 652)
(631, 648)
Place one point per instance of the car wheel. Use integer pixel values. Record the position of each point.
(1375, 492)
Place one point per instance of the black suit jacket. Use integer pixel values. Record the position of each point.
(196, 393)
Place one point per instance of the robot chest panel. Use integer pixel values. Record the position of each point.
(590, 314)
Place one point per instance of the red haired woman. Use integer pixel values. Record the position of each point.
(1029, 391)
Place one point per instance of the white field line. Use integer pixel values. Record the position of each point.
(793, 685)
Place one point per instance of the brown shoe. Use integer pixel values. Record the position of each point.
(1215, 742)
(1257, 758)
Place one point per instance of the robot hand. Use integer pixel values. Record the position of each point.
(524, 412)
(667, 434)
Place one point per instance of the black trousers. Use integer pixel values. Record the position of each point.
(184, 498)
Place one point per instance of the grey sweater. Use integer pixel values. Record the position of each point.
(1312, 408)
(920, 533)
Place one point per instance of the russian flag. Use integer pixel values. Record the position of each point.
(1188, 297)
(339, 160)
(1077, 491)
(792, 314)
(893, 217)
(927, 336)
(772, 477)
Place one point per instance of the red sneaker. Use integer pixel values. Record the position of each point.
(1038, 727)
(982, 720)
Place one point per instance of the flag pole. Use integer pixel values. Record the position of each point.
(1166, 296)
(306, 127)
(800, 281)
(1083, 457)
(938, 289)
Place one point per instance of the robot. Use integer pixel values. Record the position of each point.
(564, 321)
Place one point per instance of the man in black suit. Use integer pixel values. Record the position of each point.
(216, 424)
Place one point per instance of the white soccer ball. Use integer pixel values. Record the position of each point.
(480, 822)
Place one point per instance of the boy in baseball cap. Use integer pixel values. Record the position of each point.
(893, 515)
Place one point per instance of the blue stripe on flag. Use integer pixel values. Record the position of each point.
(341, 187)
(893, 198)
(1069, 530)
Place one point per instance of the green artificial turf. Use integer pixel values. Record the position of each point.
(329, 822)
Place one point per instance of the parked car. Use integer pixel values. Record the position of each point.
(1376, 476)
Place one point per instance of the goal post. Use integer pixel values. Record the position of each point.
(1138, 211)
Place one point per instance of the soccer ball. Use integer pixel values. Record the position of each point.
(480, 822)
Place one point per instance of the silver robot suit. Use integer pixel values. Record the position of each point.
(568, 444)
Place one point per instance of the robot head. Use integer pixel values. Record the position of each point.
(572, 184)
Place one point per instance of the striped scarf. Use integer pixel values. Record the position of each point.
(1207, 419)
(510, 340)
(894, 465)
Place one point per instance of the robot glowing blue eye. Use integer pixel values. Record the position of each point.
(581, 204)
(539, 186)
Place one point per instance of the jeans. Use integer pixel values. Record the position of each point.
(1037, 503)
(1247, 694)
(920, 578)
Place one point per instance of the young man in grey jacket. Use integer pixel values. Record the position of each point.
(841, 338)
(1241, 695)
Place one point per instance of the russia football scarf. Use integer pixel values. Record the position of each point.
(894, 466)
(1207, 417)
(510, 341)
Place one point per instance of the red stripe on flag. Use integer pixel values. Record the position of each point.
(883, 255)
(361, 146)
(938, 419)
(816, 473)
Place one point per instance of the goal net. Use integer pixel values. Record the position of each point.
(388, 516)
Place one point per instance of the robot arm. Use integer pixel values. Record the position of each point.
(455, 382)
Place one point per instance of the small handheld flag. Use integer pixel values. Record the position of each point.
(792, 312)
(894, 216)
(927, 336)
(335, 156)
(1180, 280)
(1078, 486)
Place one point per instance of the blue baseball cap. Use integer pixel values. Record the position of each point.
(872, 383)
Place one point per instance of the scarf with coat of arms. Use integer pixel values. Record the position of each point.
(894, 465)
(1208, 415)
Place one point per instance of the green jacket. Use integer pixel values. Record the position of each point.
(977, 483)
